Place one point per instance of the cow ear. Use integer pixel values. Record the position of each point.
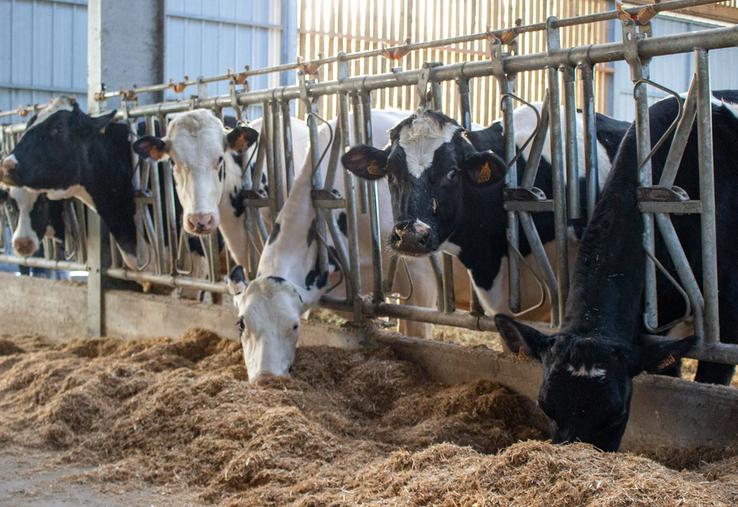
(483, 168)
(522, 338)
(241, 137)
(98, 123)
(658, 353)
(366, 162)
(151, 147)
(236, 282)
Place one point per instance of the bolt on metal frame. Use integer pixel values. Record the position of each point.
(522, 199)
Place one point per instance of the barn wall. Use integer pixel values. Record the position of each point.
(43, 51)
(43, 45)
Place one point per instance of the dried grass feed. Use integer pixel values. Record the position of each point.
(349, 428)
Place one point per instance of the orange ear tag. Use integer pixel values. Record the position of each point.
(374, 169)
(155, 153)
(485, 173)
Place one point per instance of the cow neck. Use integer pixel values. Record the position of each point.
(232, 219)
(290, 255)
(107, 179)
(606, 290)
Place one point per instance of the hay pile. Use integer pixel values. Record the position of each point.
(350, 427)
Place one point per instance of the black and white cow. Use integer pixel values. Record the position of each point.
(207, 176)
(589, 364)
(447, 193)
(289, 281)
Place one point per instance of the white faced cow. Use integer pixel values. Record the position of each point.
(207, 177)
(447, 187)
(289, 280)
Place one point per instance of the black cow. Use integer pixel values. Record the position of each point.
(589, 364)
(447, 191)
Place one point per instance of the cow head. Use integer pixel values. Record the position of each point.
(32, 213)
(269, 310)
(197, 145)
(429, 164)
(53, 152)
(587, 380)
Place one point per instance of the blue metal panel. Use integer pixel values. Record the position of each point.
(44, 51)
(207, 37)
(673, 71)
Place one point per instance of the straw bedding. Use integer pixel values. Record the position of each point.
(348, 428)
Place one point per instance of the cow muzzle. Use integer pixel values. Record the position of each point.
(412, 237)
(25, 247)
(8, 170)
(201, 223)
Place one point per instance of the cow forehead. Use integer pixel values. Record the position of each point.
(54, 106)
(194, 131)
(421, 138)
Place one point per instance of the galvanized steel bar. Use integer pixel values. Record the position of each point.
(572, 155)
(557, 176)
(592, 185)
(707, 197)
(166, 280)
(267, 131)
(680, 138)
(277, 185)
(156, 205)
(373, 197)
(359, 138)
(639, 70)
(349, 184)
(37, 262)
(287, 145)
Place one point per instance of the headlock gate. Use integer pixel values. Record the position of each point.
(163, 246)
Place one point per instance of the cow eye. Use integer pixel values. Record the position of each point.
(241, 326)
(452, 176)
(294, 328)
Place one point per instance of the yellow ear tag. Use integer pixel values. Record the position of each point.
(485, 173)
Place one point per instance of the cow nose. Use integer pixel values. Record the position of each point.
(201, 223)
(411, 237)
(24, 246)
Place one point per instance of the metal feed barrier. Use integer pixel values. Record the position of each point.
(166, 261)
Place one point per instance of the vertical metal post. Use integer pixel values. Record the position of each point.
(373, 197)
(156, 195)
(267, 131)
(277, 185)
(462, 85)
(311, 107)
(590, 137)
(287, 144)
(572, 155)
(359, 137)
(354, 276)
(557, 173)
(639, 70)
(707, 197)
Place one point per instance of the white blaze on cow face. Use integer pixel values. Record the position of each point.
(196, 145)
(421, 139)
(25, 240)
(269, 311)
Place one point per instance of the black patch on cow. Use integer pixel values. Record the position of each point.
(237, 201)
(276, 279)
(316, 278)
(275, 232)
(312, 233)
(343, 223)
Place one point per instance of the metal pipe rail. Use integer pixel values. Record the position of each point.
(597, 53)
(38, 262)
(403, 49)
